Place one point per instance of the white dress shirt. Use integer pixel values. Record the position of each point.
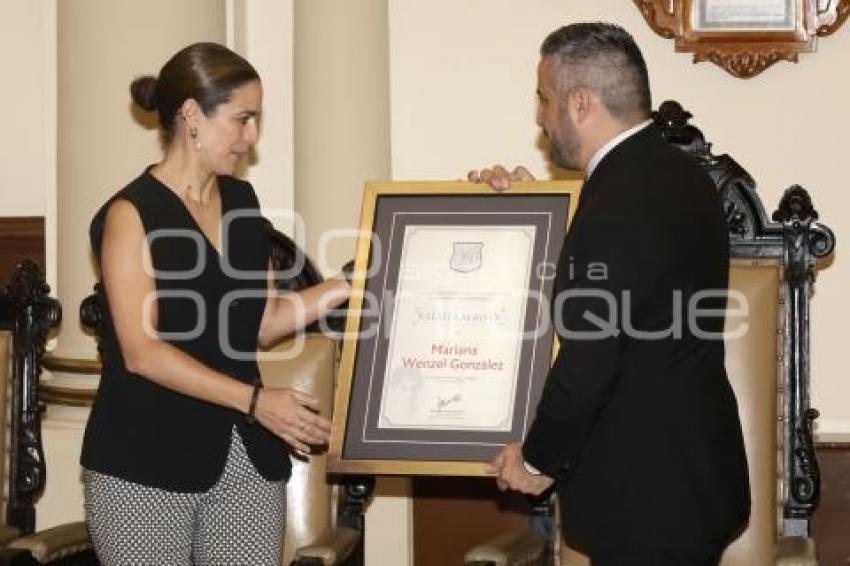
(612, 143)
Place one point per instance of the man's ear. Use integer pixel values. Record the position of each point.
(580, 101)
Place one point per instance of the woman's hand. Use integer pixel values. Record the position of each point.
(291, 415)
(500, 178)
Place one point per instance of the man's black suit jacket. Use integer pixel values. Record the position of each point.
(641, 431)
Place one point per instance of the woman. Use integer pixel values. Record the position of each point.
(185, 454)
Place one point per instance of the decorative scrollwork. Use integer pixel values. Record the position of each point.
(806, 240)
(30, 294)
(796, 205)
(288, 258)
(805, 484)
(660, 19)
(746, 65)
(34, 314)
(833, 21)
(291, 260)
(744, 212)
(736, 219)
(796, 210)
(92, 315)
(673, 121)
(91, 311)
(35, 311)
(357, 491)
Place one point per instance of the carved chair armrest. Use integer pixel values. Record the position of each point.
(55, 543)
(796, 551)
(333, 546)
(513, 548)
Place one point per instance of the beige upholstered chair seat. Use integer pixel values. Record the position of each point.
(308, 363)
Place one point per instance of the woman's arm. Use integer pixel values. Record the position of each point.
(287, 312)
(285, 412)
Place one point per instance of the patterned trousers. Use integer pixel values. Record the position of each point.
(240, 520)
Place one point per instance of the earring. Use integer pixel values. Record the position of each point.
(193, 132)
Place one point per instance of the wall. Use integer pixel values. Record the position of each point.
(24, 178)
(462, 80)
(462, 77)
(462, 84)
(261, 31)
(28, 155)
(341, 119)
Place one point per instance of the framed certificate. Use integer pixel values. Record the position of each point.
(753, 15)
(448, 340)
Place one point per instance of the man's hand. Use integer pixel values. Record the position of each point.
(510, 472)
(500, 178)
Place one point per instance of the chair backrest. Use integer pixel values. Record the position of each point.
(306, 363)
(793, 238)
(753, 365)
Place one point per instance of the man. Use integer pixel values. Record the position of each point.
(637, 425)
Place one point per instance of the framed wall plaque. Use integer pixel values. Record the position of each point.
(744, 36)
(448, 340)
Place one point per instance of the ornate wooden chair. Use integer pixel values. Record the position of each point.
(773, 268)
(325, 516)
(27, 313)
(324, 520)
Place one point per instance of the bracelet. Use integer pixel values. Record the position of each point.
(249, 416)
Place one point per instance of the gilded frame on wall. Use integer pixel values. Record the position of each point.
(744, 37)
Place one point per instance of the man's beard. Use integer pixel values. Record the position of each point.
(565, 153)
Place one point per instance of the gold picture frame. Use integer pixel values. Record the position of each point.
(744, 37)
(408, 400)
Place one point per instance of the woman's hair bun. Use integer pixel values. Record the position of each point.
(143, 91)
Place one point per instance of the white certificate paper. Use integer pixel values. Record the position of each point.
(745, 14)
(457, 325)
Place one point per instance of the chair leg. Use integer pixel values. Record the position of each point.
(543, 525)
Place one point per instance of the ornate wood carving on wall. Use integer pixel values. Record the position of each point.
(747, 36)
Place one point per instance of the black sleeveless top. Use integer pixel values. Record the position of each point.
(210, 307)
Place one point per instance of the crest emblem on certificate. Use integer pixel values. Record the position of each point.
(466, 256)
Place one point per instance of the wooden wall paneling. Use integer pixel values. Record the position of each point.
(829, 524)
(453, 514)
(20, 238)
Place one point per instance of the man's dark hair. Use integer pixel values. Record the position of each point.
(604, 58)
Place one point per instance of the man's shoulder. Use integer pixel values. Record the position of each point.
(648, 158)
